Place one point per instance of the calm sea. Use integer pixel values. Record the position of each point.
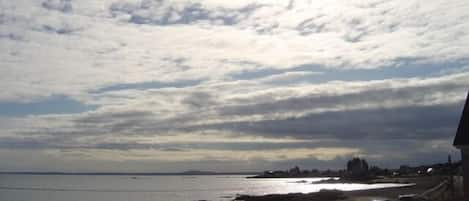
(153, 188)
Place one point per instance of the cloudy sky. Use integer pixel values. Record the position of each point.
(160, 85)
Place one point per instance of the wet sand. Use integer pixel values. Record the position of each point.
(421, 185)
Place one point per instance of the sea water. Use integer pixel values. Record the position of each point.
(155, 188)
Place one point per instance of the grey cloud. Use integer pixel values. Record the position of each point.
(97, 118)
(310, 26)
(357, 29)
(129, 146)
(65, 142)
(250, 16)
(199, 100)
(344, 115)
(376, 93)
(113, 122)
(377, 152)
(411, 122)
(149, 85)
(62, 25)
(22, 143)
(59, 29)
(59, 5)
(161, 12)
(37, 142)
(129, 122)
(58, 23)
(12, 32)
(12, 36)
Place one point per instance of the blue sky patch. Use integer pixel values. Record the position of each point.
(403, 68)
(57, 104)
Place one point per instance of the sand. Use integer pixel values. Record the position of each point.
(421, 185)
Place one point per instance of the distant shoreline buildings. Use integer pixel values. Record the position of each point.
(358, 170)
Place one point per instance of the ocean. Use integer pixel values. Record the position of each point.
(154, 188)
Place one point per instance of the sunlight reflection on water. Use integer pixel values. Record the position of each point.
(155, 188)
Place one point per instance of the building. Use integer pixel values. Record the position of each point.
(461, 141)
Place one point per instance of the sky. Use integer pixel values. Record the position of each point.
(243, 85)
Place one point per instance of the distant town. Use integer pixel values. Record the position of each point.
(359, 169)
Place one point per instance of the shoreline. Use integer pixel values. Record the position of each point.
(394, 180)
(421, 185)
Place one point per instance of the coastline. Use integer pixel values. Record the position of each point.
(421, 185)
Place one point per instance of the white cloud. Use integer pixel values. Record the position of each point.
(83, 50)
(288, 51)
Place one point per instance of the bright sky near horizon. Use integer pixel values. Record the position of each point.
(160, 85)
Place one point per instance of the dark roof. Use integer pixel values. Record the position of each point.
(462, 135)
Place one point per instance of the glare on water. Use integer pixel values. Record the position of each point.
(154, 188)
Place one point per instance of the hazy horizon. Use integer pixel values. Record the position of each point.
(248, 85)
